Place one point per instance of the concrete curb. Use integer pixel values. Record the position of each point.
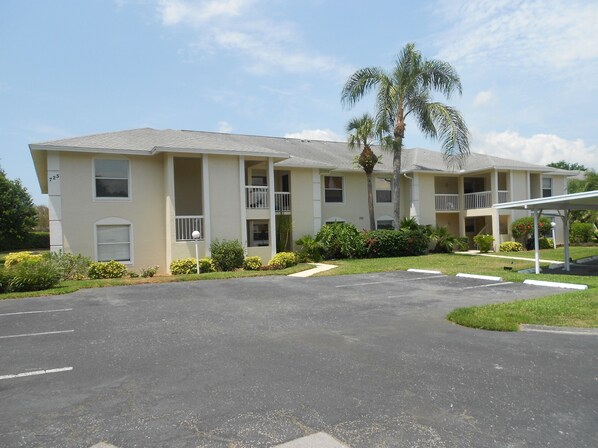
(555, 284)
(317, 440)
(320, 267)
(562, 330)
(424, 271)
(480, 277)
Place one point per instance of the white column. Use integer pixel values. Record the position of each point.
(317, 199)
(207, 228)
(55, 202)
(243, 197)
(170, 208)
(415, 206)
(566, 239)
(536, 241)
(272, 230)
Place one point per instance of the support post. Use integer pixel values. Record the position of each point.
(536, 241)
(566, 238)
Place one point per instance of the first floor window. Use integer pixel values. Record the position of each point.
(546, 187)
(333, 189)
(111, 178)
(334, 221)
(384, 224)
(383, 191)
(259, 233)
(114, 242)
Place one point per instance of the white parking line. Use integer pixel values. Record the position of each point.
(35, 334)
(391, 281)
(489, 285)
(35, 312)
(35, 372)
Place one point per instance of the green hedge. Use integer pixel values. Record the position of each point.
(395, 243)
(34, 240)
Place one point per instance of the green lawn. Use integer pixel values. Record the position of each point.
(558, 254)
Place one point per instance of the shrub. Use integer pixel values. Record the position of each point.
(340, 240)
(206, 265)
(310, 249)
(31, 275)
(395, 243)
(106, 269)
(409, 224)
(283, 260)
(33, 240)
(14, 258)
(183, 266)
(149, 271)
(252, 263)
(484, 242)
(4, 279)
(72, 267)
(523, 228)
(444, 241)
(228, 255)
(510, 246)
(581, 232)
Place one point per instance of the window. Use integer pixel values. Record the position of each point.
(333, 189)
(259, 233)
(385, 224)
(383, 189)
(546, 187)
(111, 179)
(333, 220)
(114, 242)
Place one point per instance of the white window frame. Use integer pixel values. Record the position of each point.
(93, 181)
(252, 223)
(334, 220)
(114, 221)
(384, 218)
(551, 186)
(342, 178)
(376, 190)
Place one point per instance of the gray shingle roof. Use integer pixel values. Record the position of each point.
(290, 152)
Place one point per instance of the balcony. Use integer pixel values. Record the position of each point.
(481, 199)
(186, 225)
(282, 202)
(446, 202)
(256, 197)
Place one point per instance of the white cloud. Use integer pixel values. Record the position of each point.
(315, 134)
(231, 25)
(553, 34)
(483, 98)
(224, 127)
(539, 148)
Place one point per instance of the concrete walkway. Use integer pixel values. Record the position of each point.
(319, 267)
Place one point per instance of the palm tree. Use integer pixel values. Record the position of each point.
(361, 133)
(407, 90)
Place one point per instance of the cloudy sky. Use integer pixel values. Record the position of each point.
(276, 67)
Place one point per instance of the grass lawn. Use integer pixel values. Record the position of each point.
(558, 254)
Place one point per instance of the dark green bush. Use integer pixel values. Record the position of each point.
(581, 232)
(444, 242)
(106, 269)
(228, 255)
(33, 240)
(206, 265)
(340, 240)
(310, 249)
(395, 243)
(4, 279)
(31, 275)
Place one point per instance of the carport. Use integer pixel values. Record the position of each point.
(563, 204)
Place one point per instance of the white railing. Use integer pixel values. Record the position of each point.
(282, 201)
(503, 196)
(482, 199)
(446, 202)
(256, 197)
(186, 225)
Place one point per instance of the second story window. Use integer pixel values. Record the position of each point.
(333, 189)
(546, 187)
(111, 178)
(383, 190)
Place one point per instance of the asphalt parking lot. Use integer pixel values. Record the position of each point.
(368, 359)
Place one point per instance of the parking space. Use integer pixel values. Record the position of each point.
(368, 360)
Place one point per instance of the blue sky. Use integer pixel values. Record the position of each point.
(276, 67)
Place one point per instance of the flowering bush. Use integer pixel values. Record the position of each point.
(510, 246)
(252, 263)
(283, 260)
(523, 228)
(18, 257)
(107, 269)
(183, 266)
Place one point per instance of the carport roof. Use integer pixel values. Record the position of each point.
(587, 200)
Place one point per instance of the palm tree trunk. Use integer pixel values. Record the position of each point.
(371, 202)
(396, 184)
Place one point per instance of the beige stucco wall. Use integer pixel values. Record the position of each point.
(302, 209)
(145, 209)
(225, 198)
(427, 204)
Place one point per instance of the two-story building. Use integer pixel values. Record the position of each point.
(136, 196)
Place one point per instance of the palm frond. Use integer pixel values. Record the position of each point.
(441, 76)
(452, 132)
(359, 84)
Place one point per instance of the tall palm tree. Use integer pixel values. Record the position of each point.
(361, 134)
(407, 90)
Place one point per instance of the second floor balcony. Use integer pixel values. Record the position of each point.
(257, 197)
(480, 199)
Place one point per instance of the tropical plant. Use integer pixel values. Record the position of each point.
(31, 275)
(72, 267)
(361, 134)
(444, 242)
(523, 228)
(310, 249)
(484, 242)
(407, 90)
(409, 223)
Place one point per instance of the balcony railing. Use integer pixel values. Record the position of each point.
(503, 196)
(282, 201)
(446, 202)
(256, 197)
(186, 225)
(482, 199)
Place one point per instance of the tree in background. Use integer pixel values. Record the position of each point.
(361, 133)
(43, 218)
(561, 164)
(17, 212)
(407, 90)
